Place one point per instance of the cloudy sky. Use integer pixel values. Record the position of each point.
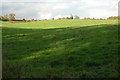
(46, 9)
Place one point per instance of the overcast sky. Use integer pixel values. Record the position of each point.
(46, 9)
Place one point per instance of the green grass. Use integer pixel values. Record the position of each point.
(60, 49)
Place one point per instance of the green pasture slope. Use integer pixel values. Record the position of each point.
(60, 49)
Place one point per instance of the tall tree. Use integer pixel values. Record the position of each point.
(71, 17)
(11, 16)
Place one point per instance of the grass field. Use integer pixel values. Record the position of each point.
(60, 49)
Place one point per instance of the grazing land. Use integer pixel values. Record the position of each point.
(60, 49)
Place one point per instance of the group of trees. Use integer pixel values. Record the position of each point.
(9, 17)
(114, 17)
(93, 19)
(33, 20)
(87, 18)
(70, 17)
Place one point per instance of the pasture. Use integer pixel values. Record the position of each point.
(60, 49)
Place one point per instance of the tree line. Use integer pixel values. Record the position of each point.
(11, 17)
